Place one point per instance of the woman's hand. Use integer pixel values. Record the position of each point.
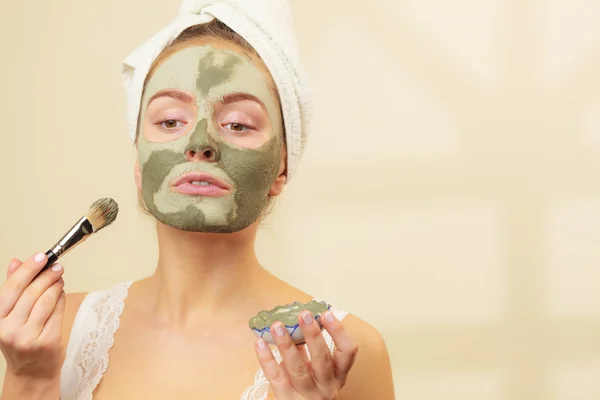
(297, 378)
(31, 315)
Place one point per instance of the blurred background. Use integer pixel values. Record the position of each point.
(449, 194)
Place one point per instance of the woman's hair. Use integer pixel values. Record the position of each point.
(211, 30)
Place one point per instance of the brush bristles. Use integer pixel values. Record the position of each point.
(102, 213)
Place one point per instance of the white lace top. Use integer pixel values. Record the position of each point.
(92, 336)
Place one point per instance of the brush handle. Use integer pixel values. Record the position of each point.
(76, 235)
(52, 258)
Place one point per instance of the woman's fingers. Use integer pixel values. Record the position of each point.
(12, 267)
(320, 376)
(295, 366)
(30, 329)
(44, 307)
(34, 293)
(320, 356)
(51, 331)
(303, 349)
(346, 350)
(274, 372)
(18, 281)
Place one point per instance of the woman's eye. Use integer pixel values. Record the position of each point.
(171, 124)
(237, 127)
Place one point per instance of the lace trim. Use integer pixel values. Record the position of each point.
(260, 389)
(91, 361)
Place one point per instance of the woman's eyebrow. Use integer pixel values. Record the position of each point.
(232, 98)
(174, 94)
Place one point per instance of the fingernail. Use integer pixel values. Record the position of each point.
(261, 344)
(307, 318)
(329, 316)
(56, 267)
(279, 330)
(39, 257)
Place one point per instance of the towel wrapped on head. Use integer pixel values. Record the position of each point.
(267, 25)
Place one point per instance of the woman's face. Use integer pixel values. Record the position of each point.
(210, 143)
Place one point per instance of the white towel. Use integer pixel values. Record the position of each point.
(268, 26)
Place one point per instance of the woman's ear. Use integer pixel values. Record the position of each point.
(279, 183)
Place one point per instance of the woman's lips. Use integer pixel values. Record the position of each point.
(200, 184)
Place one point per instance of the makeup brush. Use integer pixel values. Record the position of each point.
(102, 213)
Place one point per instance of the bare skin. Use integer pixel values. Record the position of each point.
(185, 328)
(31, 315)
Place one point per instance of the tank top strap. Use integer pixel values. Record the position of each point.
(91, 338)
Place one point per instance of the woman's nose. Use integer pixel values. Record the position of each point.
(205, 153)
(201, 146)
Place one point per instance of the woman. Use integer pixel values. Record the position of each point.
(219, 125)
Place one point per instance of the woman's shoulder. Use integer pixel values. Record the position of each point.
(372, 372)
(371, 376)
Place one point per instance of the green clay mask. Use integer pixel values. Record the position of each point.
(211, 76)
(287, 314)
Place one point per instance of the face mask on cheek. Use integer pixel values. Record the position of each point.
(210, 74)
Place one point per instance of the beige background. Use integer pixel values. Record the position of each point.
(449, 194)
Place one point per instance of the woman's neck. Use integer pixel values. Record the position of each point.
(200, 275)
